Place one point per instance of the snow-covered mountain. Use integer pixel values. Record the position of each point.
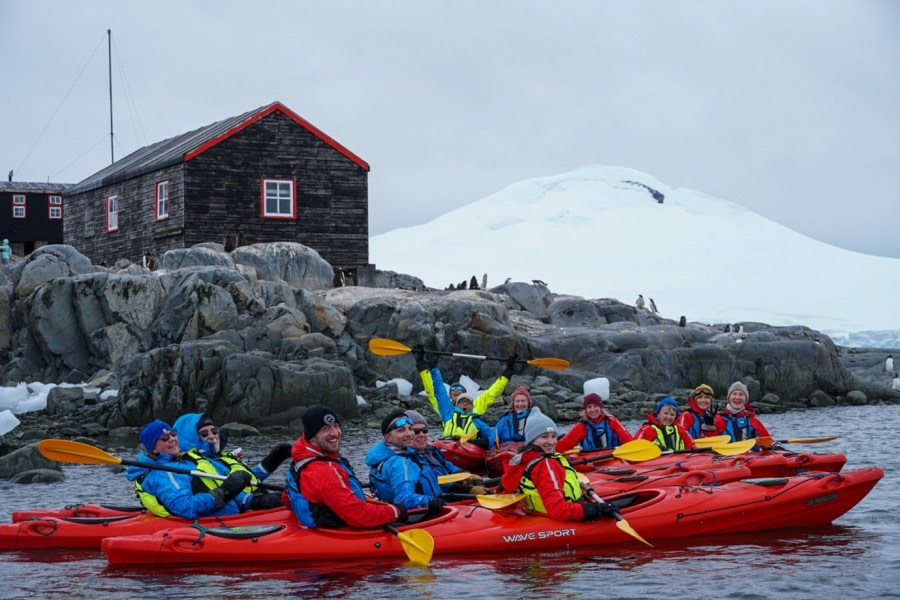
(601, 232)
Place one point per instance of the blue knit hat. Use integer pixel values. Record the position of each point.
(151, 433)
(666, 401)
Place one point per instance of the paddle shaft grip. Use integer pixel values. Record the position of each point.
(136, 463)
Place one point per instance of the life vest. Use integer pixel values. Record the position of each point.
(667, 437)
(204, 464)
(460, 424)
(695, 431)
(198, 484)
(739, 427)
(599, 435)
(571, 486)
(317, 514)
(148, 500)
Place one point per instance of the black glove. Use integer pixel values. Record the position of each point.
(230, 488)
(418, 353)
(592, 510)
(276, 456)
(404, 514)
(435, 504)
(512, 365)
(265, 501)
(709, 417)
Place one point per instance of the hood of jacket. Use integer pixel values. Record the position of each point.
(188, 438)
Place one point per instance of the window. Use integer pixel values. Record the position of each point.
(112, 213)
(278, 199)
(162, 200)
(18, 206)
(55, 207)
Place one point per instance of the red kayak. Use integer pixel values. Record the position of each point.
(88, 532)
(605, 484)
(498, 457)
(655, 513)
(762, 464)
(88, 510)
(467, 456)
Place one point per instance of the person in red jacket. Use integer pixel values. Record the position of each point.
(549, 482)
(738, 418)
(700, 418)
(662, 430)
(597, 429)
(322, 488)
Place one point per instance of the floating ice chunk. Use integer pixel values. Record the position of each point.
(8, 422)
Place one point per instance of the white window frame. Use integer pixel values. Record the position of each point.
(54, 207)
(279, 191)
(18, 210)
(162, 200)
(112, 213)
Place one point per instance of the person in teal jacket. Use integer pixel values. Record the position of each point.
(5, 252)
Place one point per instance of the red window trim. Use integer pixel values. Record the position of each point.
(156, 215)
(262, 200)
(108, 198)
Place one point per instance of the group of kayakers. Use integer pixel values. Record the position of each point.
(323, 491)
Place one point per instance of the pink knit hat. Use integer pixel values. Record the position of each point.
(521, 391)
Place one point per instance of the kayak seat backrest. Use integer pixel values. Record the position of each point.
(771, 481)
(96, 520)
(244, 532)
(124, 508)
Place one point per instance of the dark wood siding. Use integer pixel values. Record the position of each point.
(222, 191)
(139, 232)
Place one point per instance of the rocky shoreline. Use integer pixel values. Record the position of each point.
(256, 335)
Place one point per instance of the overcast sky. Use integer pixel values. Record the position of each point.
(789, 108)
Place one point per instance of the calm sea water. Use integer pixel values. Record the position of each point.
(857, 557)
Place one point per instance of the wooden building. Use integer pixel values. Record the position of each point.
(264, 176)
(31, 214)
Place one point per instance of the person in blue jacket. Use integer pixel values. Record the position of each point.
(200, 440)
(432, 462)
(394, 473)
(511, 426)
(165, 493)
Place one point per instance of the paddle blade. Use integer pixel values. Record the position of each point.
(582, 478)
(624, 526)
(453, 477)
(735, 448)
(418, 545)
(709, 442)
(386, 347)
(554, 364)
(463, 439)
(498, 501)
(637, 451)
(767, 441)
(76, 452)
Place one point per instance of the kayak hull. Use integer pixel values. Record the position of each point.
(467, 456)
(655, 513)
(89, 532)
(88, 510)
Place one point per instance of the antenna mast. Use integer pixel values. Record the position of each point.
(112, 154)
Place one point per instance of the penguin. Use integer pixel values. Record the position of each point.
(639, 303)
(728, 328)
(889, 365)
(484, 281)
(239, 239)
(539, 282)
(653, 306)
(338, 280)
(228, 242)
(508, 281)
(473, 283)
(682, 321)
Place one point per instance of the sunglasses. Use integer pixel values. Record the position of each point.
(401, 422)
(702, 393)
(167, 435)
(208, 432)
(420, 430)
(457, 388)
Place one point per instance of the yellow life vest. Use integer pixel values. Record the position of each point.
(668, 438)
(152, 503)
(571, 486)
